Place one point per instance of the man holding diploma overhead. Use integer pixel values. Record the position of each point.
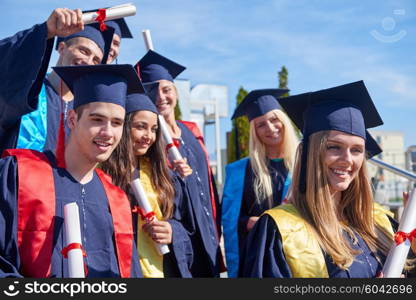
(34, 189)
(32, 102)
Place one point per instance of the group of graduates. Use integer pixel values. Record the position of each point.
(85, 131)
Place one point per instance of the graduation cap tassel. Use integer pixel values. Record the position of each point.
(138, 71)
(60, 145)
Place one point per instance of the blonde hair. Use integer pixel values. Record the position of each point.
(327, 219)
(259, 161)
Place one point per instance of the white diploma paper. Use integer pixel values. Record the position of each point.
(396, 259)
(73, 235)
(115, 12)
(141, 198)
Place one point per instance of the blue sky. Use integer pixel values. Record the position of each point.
(245, 43)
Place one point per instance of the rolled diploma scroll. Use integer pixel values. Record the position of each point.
(147, 39)
(145, 205)
(73, 235)
(396, 259)
(173, 151)
(115, 12)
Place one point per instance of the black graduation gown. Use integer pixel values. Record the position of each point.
(263, 255)
(24, 59)
(198, 219)
(97, 230)
(178, 262)
(250, 206)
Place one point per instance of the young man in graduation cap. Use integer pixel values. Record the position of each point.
(261, 180)
(331, 227)
(34, 189)
(31, 101)
(205, 218)
(121, 31)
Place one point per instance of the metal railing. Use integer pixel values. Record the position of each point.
(400, 172)
(395, 206)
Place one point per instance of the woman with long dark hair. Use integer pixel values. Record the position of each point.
(141, 153)
(204, 208)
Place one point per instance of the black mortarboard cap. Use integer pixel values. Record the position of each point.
(347, 108)
(103, 39)
(153, 66)
(258, 103)
(100, 83)
(141, 101)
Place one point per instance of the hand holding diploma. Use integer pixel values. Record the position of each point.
(111, 13)
(171, 147)
(148, 214)
(403, 239)
(405, 201)
(182, 167)
(63, 22)
(159, 231)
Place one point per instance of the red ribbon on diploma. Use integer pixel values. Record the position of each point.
(75, 246)
(174, 144)
(71, 247)
(145, 216)
(101, 18)
(138, 70)
(400, 236)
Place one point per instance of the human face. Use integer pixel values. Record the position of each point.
(143, 131)
(167, 98)
(115, 49)
(343, 159)
(79, 51)
(98, 131)
(269, 130)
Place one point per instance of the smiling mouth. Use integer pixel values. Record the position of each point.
(274, 134)
(165, 103)
(341, 173)
(143, 145)
(102, 145)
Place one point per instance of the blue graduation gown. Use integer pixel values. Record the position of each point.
(239, 204)
(263, 255)
(24, 59)
(97, 230)
(39, 129)
(178, 261)
(198, 211)
(250, 206)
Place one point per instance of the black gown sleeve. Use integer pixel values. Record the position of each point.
(181, 246)
(24, 59)
(9, 253)
(263, 255)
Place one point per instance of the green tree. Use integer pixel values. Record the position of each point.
(178, 113)
(283, 76)
(283, 79)
(237, 145)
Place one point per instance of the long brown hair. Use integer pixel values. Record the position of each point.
(327, 219)
(119, 167)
